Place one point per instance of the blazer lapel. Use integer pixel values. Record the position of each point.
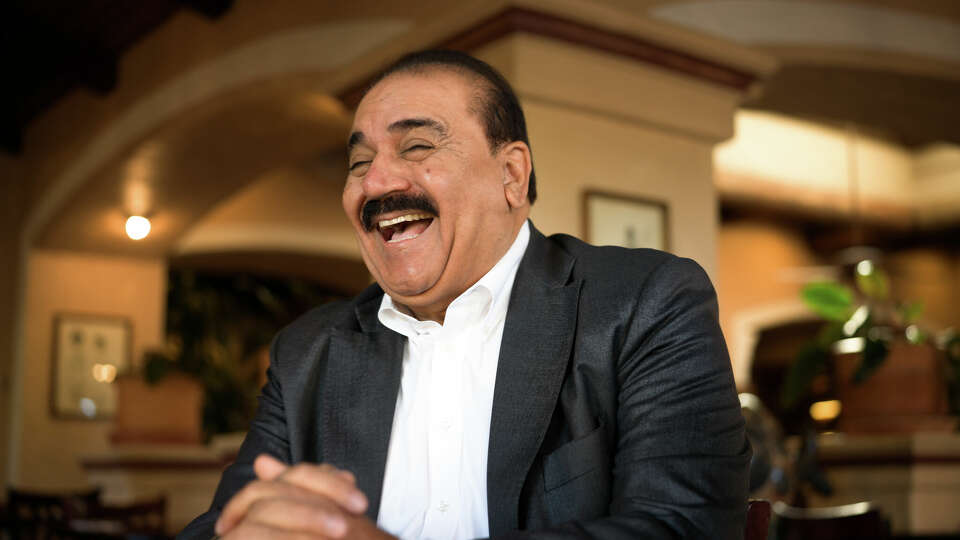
(537, 338)
(362, 379)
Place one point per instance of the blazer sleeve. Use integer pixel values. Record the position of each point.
(267, 435)
(680, 468)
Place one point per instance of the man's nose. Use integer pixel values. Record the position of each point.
(385, 176)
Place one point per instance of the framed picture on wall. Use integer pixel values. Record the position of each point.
(89, 351)
(622, 220)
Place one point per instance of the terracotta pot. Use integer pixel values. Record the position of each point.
(168, 412)
(906, 394)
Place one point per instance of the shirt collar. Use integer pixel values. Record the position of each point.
(485, 302)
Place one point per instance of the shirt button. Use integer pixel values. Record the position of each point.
(443, 506)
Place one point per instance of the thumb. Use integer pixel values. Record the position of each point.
(268, 467)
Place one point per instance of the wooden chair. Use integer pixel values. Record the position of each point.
(141, 519)
(848, 522)
(36, 516)
(758, 520)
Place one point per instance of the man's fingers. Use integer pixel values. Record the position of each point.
(268, 467)
(237, 507)
(278, 480)
(327, 480)
(316, 515)
(257, 531)
(348, 476)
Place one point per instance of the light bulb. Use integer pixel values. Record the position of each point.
(825, 411)
(138, 227)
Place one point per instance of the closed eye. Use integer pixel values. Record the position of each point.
(356, 165)
(417, 152)
(418, 147)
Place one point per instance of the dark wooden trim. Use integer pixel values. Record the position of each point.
(515, 19)
(166, 464)
(888, 460)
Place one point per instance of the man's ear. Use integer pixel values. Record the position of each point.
(516, 173)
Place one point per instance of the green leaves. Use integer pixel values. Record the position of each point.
(832, 301)
(809, 363)
(156, 365)
(868, 313)
(873, 284)
(874, 353)
(909, 313)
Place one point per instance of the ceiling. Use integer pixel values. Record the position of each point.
(910, 110)
(77, 46)
(57, 46)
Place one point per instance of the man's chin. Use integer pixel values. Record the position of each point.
(407, 295)
(409, 290)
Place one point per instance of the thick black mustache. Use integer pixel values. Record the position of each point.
(393, 203)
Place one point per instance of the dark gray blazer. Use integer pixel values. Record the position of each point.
(614, 413)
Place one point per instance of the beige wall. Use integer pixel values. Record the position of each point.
(758, 285)
(48, 450)
(633, 129)
(758, 264)
(930, 276)
(575, 151)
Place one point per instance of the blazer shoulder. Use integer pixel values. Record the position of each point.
(318, 322)
(626, 268)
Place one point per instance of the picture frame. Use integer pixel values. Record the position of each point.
(88, 353)
(625, 220)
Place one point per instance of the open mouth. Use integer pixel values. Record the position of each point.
(405, 227)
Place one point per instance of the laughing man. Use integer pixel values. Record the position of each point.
(494, 381)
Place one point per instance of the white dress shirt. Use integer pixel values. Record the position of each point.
(435, 483)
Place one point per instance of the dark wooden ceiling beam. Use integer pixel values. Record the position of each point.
(211, 9)
(830, 232)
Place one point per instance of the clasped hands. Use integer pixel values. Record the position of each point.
(299, 501)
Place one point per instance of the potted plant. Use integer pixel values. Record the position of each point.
(160, 406)
(867, 335)
(208, 374)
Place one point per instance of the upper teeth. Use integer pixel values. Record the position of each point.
(407, 217)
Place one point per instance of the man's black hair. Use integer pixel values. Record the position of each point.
(497, 104)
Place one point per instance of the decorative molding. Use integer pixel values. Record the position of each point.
(514, 19)
(888, 460)
(810, 203)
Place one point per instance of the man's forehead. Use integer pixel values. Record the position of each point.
(430, 90)
(408, 100)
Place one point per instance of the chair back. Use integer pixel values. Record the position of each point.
(143, 518)
(850, 521)
(758, 520)
(37, 516)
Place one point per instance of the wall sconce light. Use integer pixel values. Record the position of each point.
(138, 227)
(826, 411)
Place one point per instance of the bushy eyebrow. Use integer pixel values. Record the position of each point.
(356, 138)
(407, 124)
